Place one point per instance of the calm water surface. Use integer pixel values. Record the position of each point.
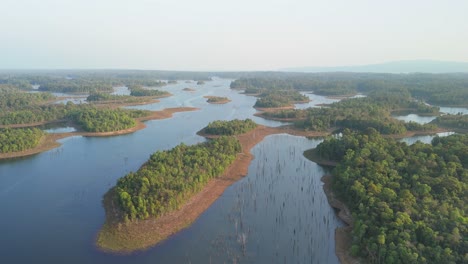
(51, 202)
(425, 139)
(415, 118)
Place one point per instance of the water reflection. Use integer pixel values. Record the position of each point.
(424, 139)
(415, 118)
(121, 90)
(453, 110)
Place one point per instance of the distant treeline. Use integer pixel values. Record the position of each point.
(12, 99)
(86, 81)
(439, 89)
(138, 90)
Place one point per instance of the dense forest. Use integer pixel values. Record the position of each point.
(409, 203)
(229, 128)
(137, 90)
(19, 139)
(438, 89)
(279, 98)
(360, 113)
(170, 177)
(102, 120)
(42, 113)
(11, 99)
(457, 121)
(90, 118)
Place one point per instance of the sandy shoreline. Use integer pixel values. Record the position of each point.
(342, 234)
(49, 141)
(140, 235)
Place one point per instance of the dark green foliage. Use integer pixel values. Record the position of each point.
(102, 120)
(359, 114)
(229, 128)
(136, 90)
(35, 114)
(96, 97)
(279, 98)
(12, 99)
(19, 139)
(168, 178)
(310, 82)
(335, 90)
(458, 121)
(30, 108)
(439, 89)
(409, 203)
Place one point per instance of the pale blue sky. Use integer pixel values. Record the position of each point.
(228, 35)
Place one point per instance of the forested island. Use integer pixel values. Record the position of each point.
(279, 99)
(408, 203)
(22, 111)
(228, 128)
(147, 206)
(167, 181)
(217, 99)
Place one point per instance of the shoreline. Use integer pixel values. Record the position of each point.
(141, 235)
(417, 133)
(281, 119)
(342, 234)
(49, 141)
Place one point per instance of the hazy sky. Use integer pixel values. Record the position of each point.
(228, 35)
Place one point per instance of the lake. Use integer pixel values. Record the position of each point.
(51, 202)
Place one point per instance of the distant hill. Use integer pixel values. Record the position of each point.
(410, 66)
